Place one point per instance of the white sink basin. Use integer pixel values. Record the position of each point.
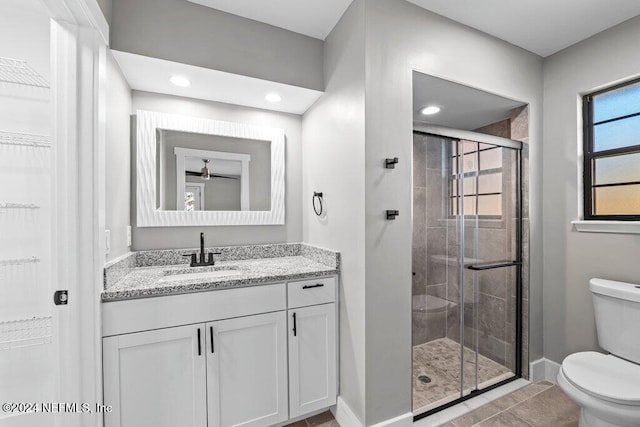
(199, 276)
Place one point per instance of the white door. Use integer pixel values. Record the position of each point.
(312, 358)
(247, 371)
(156, 378)
(42, 81)
(27, 352)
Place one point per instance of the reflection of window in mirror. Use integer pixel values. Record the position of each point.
(193, 197)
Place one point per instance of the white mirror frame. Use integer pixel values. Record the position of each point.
(148, 122)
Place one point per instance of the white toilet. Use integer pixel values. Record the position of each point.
(607, 387)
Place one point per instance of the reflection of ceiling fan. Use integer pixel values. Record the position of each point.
(205, 173)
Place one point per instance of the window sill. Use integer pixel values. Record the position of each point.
(613, 227)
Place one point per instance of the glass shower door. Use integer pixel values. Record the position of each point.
(488, 203)
(466, 265)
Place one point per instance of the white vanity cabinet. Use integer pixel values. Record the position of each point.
(312, 359)
(236, 362)
(155, 378)
(312, 346)
(247, 371)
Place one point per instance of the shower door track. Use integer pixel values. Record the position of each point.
(457, 134)
(471, 395)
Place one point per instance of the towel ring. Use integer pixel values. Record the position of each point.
(317, 210)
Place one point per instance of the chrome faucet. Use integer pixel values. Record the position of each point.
(204, 259)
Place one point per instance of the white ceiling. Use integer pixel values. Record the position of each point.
(152, 75)
(462, 107)
(314, 18)
(540, 26)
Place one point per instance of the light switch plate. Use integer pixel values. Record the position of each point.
(128, 235)
(107, 242)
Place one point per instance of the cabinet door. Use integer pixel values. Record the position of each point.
(312, 358)
(156, 378)
(247, 371)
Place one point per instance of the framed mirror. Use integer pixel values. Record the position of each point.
(203, 172)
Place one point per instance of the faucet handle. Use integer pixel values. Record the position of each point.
(210, 260)
(193, 258)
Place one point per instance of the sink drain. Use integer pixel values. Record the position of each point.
(425, 379)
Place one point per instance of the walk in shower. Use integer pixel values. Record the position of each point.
(467, 264)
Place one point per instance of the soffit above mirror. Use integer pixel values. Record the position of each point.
(152, 75)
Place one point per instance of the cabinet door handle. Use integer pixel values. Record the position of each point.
(318, 285)
(199, 344)
(211, 333)
(295, 330)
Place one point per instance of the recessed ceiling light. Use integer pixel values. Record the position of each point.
(181, 81)
(273, 97)
(432, 109)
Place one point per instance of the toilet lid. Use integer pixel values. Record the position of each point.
(604, 376)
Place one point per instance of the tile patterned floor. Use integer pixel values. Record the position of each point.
(440, 361)
(536, 405)
(324, 419)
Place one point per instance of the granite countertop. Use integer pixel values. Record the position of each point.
(150, 281)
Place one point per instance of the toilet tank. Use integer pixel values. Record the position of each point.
(617, 310)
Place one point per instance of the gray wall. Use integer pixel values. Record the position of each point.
(333, 161)
(400, 38)
(106, 7)
(224, 195)
(118, 169)
(180, 31)
(187, 237)
(572, 258)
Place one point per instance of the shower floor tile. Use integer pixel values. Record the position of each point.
(440, 361)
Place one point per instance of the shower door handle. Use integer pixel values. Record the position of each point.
(492, 265)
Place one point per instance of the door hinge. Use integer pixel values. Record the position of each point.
(61, 297)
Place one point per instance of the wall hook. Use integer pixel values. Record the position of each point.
(392, 214)
(391, 163)
(317, 209)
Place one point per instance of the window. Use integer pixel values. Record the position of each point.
(612, 153)
(481, 180)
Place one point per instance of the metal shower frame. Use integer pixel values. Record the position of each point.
(459, 135)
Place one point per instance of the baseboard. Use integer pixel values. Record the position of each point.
(544, 370)
(345, 416)
(537, 371)
(405, 420)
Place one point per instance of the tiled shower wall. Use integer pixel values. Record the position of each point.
(429, 239)
(436, 246)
